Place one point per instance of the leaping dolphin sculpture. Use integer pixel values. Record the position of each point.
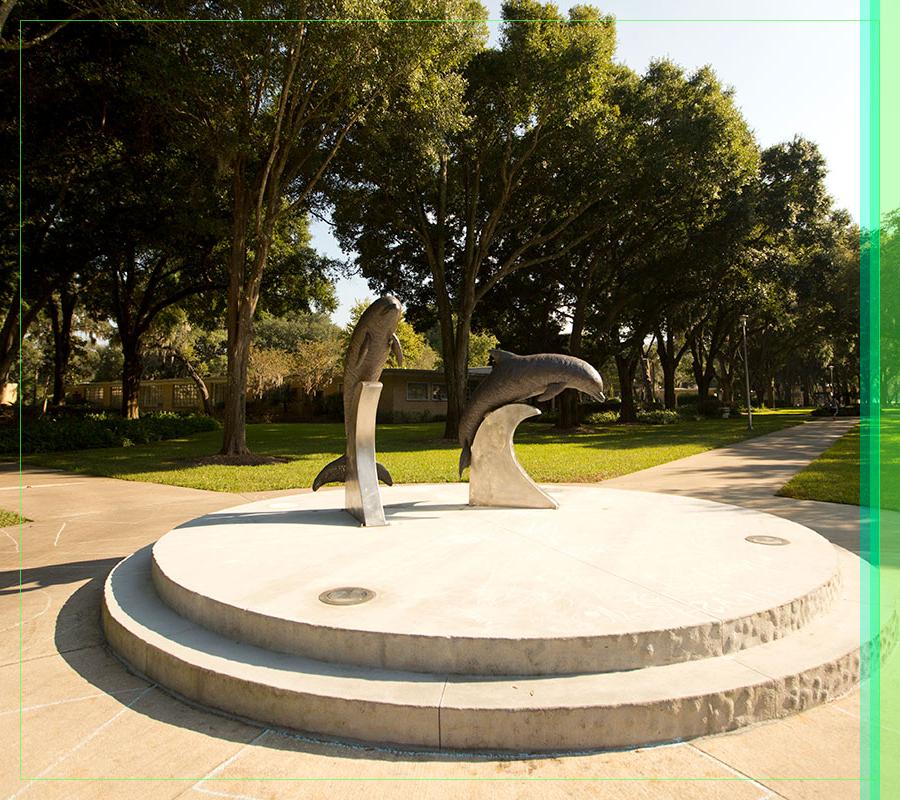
(372, 339)
(516, 378)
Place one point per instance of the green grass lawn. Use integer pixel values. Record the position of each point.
(413, 453)
(834, 476)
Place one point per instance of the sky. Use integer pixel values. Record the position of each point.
(793, 64)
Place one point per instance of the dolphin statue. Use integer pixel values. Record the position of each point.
(516, 378)
(372, 339)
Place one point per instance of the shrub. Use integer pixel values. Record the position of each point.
(610, 404)
(47, 434)
(658, 416)
(843, 411)
(602, 418)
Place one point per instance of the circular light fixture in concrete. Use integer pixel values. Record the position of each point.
(346, 596)
(770, 540)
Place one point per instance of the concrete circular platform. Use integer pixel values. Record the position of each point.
(612, 580)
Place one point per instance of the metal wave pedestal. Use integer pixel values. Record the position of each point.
(496, 478)
(361, 495)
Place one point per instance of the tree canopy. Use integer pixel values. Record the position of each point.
(534, 194)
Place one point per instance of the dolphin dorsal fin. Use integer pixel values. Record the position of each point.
(499, 356)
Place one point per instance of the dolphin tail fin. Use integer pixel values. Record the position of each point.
(383, 475)
(335, 472)
(465, 458)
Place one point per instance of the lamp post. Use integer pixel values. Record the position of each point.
(747, 375)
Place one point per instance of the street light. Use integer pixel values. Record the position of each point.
(744, 319)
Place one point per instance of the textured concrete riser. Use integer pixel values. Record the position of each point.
(612, 580)
(495, 655)
(813, 665)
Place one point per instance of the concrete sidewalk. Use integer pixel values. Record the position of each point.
(84, 716)
(749, 474)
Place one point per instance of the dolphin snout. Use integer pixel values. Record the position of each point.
(389, 305)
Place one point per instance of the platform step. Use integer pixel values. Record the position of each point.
(612, 580)
(815, 664)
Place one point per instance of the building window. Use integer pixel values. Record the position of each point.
(151, 397)
(439, 391)
(115, 395)
(184, 395)
(416, 391)
(93, 394)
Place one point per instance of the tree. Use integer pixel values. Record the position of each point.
(480, 345)
(289, 331)
(800, 283)
(676, 163)
(317, 364)
(270, 105)
(60, 15)
(470, 204)
(173, 335)
(62, 123)
(120, 224)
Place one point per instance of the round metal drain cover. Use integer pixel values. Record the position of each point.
(771, 540)
(346, 596)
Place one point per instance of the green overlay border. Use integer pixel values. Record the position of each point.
(879, 189)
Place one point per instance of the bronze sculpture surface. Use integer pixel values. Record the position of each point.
(516, 378)
(373, 338)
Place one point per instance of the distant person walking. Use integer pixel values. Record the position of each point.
(835, 408)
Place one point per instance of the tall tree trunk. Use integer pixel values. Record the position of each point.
(726, 380)
(568, 416)
(647, 380)
(626, 364)
(240, 334)
(703, 374)
(668, 365)
(239, 323)
(456, 381)
(456, 371)
(704, 365)
(10, 338)
(61, 325)
(456, 393)
(568, 400)
(132, 367)
(670, 356)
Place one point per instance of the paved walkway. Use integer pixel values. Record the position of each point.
(751, 472)
(86, 717)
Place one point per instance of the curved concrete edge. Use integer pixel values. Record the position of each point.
(621, 709)
(247, 681)
(492, 655)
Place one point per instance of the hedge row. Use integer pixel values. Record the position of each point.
(653, 416)
(46, 434)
